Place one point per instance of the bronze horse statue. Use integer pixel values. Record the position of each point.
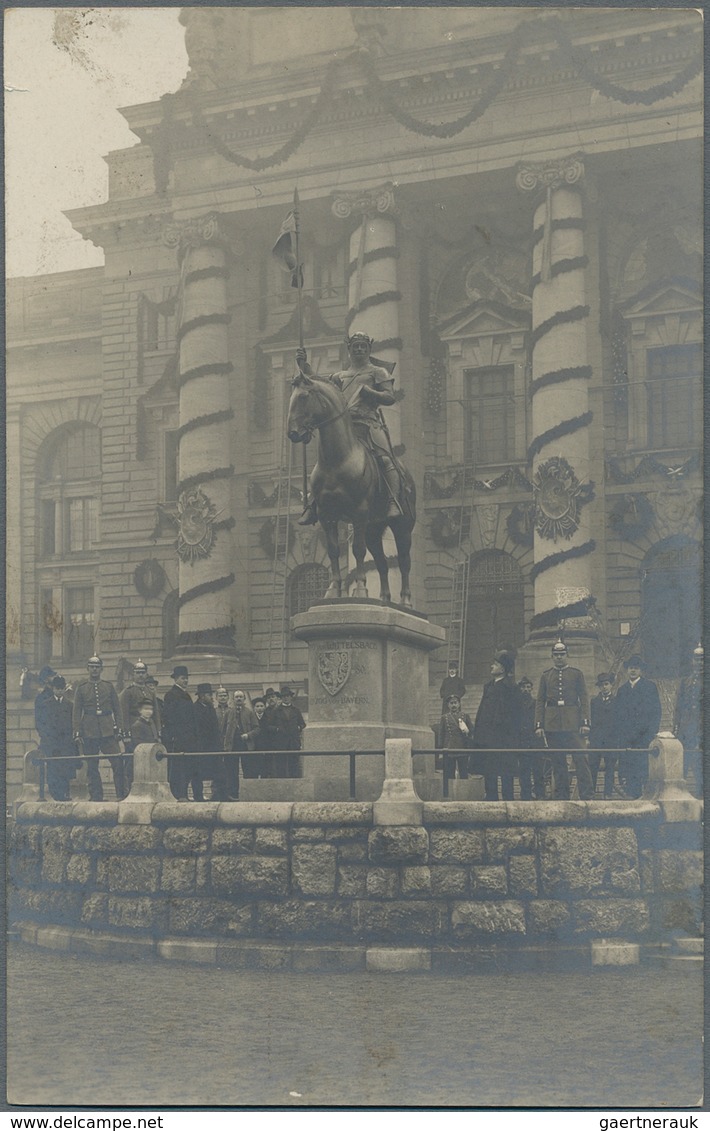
(347, 486)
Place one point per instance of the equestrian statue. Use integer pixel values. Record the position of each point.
(357, 478)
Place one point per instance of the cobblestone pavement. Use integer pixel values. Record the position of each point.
(103, 1033)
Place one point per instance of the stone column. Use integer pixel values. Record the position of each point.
(205, 470)
(373, 297)
(560, 449)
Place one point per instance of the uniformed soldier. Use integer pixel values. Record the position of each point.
(97, 721)
(562, 718)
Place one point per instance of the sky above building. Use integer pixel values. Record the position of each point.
(66, 73)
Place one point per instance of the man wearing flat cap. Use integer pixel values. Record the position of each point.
(562, 718)
(638, 713)
(179, 732)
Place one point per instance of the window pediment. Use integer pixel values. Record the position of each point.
(664, 298)
(483, 319)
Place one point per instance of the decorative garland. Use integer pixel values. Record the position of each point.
(267, 537)
(562, 556)
(564, 428)
(218, 368)
(204, 477)
(520, 524)
(206, 587)
(204, 421)
(369, 301)
(552, 617)
(149, 578)
(257, 496)
(579, 59)
(652, 465)
(205, 637)
(202, 320)
(449, 527)
(371, 257)
(574, 314)
(201, 273)
(511, 477)
(562, 267)
(435, 391)
(631, 516)
(573, 223)
(556, 376)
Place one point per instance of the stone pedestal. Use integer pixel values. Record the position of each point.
(368, 680)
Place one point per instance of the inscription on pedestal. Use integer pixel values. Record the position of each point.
(340, 666)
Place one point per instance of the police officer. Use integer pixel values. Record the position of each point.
(562, 717)
(97, 721)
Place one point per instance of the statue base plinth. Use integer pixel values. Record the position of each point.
(368, 680)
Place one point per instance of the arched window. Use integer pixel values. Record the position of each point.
(495, 613)
(306, 585)
(69, 479)
(671, 609)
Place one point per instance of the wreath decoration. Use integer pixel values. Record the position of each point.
(267, 537)
(449, 527)
(149, 578)
(631, 517)
(520, 524)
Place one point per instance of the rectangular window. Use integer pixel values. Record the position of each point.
(82, 525)
(80, 619)
(674, 396)
(490, 415)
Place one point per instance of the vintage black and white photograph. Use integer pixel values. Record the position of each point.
(354, 534)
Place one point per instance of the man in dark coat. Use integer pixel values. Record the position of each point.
(602, 733)
(136, 693)
(179, 732)
(638, 717)
(291, 724)
(531, 769)
(276, 765)
(688, 719)
(456, 733)
(208, 739)
(98, 724)
(497, 726)
(452, 683)
(562, 720)
(54, 724)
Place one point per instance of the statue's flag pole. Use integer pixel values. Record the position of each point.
(287, 251)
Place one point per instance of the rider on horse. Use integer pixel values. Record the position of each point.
(366, 387)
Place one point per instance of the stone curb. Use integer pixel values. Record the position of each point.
(307, 957)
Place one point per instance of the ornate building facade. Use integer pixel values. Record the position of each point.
(510, 203)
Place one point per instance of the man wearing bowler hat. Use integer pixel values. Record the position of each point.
(208, 739)
(179, 731)
(292, 724)
(562, 719)
(638, 717)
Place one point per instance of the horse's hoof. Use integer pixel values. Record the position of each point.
(406, 601)
(386, 598)
(360, 591)
(331, 592)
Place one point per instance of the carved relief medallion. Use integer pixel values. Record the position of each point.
(557, 498)
(196, 515)
(334, 670)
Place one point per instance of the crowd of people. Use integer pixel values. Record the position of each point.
(562, 720)
(207, 737)
(216, 736)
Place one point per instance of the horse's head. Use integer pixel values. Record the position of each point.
(313, 403)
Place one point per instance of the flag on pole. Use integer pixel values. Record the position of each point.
(285, 250)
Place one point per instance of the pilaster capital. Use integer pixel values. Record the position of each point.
(186, 234)
(553, 174)
(366, 202)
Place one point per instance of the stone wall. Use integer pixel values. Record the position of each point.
(229, 881)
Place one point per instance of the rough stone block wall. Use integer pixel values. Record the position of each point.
(471, 876)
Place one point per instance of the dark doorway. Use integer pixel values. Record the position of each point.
(495, 615)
